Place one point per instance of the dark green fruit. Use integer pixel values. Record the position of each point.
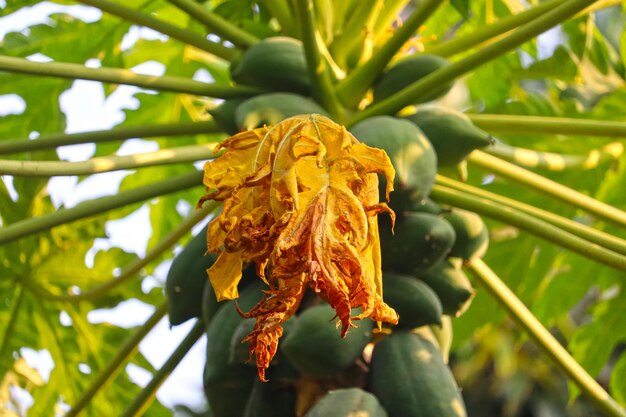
(415, 302)
(411, 154)
(420, 241)
(277, 396)
(406, 72)
(426, 206)
(452, 286)
(224, 115)
(349, 402)
(315, 347)
(270, 109)
(452, 134)
(410, 379)
(472, 236)
(274, 64)
(186, 280)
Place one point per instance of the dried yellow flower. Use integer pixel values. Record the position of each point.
(300, 201)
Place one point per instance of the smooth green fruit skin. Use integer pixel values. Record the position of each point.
(348, 402)
(224, 115)
(419, 242)
(277, 396)
(472, 235)
(275, 64)
(426, 206)
(414, 301)
(408, 71)
(315, 347)
(412, 156)
(270, 109)
(451, 133)
(410, 379)
(186, 280)
(452, 287)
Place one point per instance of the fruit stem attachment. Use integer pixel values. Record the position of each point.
(107, 163)
(124, 76)
(281, 10)
(525, 318)
(175, 32)
(417, 90)
(131, 270)
(547, 186)
(468, 41)
(123, 355)
(527, 222)
(89, 208)
(353, 88)
(319, 70)
(583, 231)
(142, 401)
(506, 123)
(220, 26)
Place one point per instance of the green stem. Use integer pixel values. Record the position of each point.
(386, 17)
(34, 225)
(8, 332)
(529, 223)
(165, 28)
(319, 70)
(134, 268)
(555, 161)
(465, 42)
(141, 402)
(281, 10)
(417, 90)
(123, 76)
(123, 355)
(548, 125)
(99, 136)
(353, 88)
(585, 232)
(353, 30)
(216, 23)
(547, 186)
(107, 163)
(544, 339)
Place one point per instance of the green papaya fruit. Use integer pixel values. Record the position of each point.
(415, 302)
(411, 154)
(240, 352)
(406, 72)
(419, 242)
(186, 280)
(426, 206)
(272, 108)
(472, 236)
(410, 379)
(224, 115)
(347, 402)
(452, 287)
(452, 134)
(315, 347)
(275, 64)
(277, 396)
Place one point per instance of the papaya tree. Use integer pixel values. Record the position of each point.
(412, 208)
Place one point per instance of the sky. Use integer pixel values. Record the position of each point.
(86, 108)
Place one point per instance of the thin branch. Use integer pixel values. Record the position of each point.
(529, 223)
(465, 42)
(544, 339)
(163, 27)
(109, 135)
(353, 88)
(107, 163)
(141, 402)
(89, 208)
(353, 30)
(599, 237)
(556, 161)
(414, 92)
(548, 125)
(216, 23)
(131, 270)
(548, 187)
(123, 76)
(123, 355)
(388, 15)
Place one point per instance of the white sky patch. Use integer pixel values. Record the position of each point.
(39, 57)
(138, 375)
(21, 398)
(41, 360)
(548, 41)
(134, 146)
(139, 32)
(183, 207)
(127, 314)
(84, 368)
(11, 104)
(153, 68)
(65, 319)
(157, 279)
(8, 182)
(66, 192)
(139, 223)
(203, 76)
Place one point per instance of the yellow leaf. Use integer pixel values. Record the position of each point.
(300, 201)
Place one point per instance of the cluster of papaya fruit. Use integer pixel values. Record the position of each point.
(397, 371)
